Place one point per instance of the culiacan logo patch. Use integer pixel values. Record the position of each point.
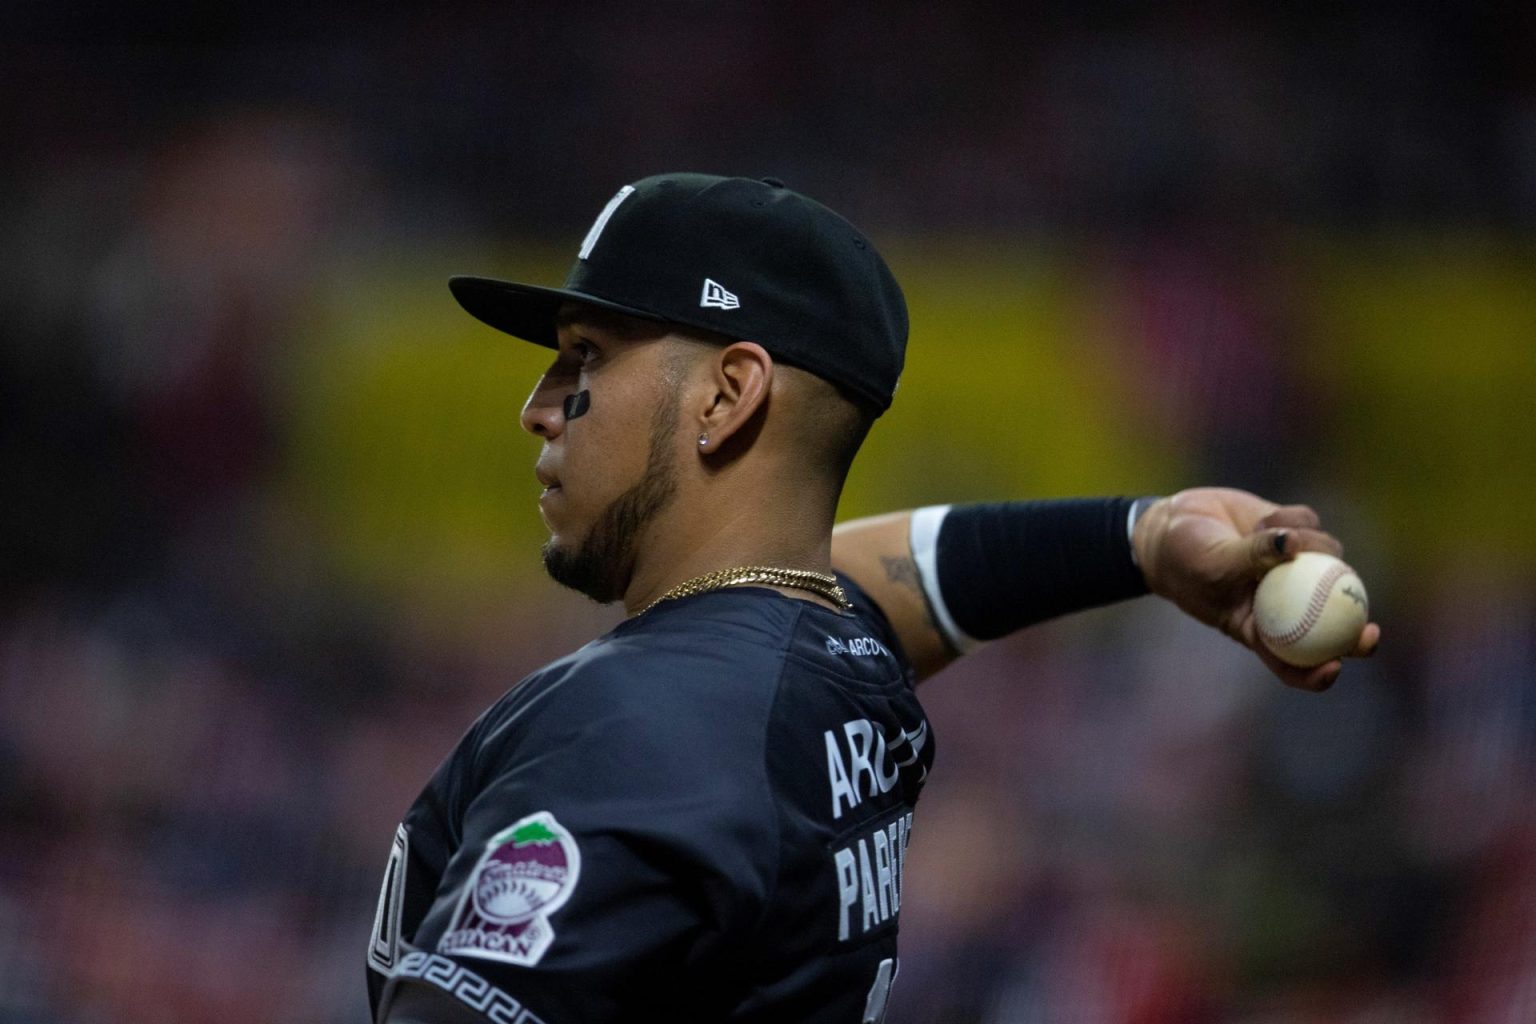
(526, 873)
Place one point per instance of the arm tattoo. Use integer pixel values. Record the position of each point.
(903, 570)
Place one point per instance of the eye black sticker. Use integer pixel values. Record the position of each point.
(578, 404)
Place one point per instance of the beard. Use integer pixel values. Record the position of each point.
(602, 564)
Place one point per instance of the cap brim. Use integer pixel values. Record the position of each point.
(526, 311)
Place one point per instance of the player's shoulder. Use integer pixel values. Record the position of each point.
(687, 654)
(699, 684)
(758, 636)
(715, 662)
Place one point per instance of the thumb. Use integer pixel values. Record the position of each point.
(1268, 548)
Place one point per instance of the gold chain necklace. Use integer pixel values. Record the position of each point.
(800, 579)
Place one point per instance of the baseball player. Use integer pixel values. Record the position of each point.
(703, 815)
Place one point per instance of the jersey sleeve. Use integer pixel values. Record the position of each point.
(613, 839)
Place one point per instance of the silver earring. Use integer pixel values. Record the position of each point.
(703, 440)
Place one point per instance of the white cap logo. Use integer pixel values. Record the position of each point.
(716, 297)
(596, 231)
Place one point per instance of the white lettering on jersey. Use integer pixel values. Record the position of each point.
(883, 882)
(869, 877)
(880, 991)
(863, 646)
(860, 738)
(841, 789)
(847, 888)
(869, 770)
(872, 914)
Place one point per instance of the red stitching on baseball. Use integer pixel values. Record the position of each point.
(1314, 610)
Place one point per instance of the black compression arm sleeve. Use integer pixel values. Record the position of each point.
(1004, 566)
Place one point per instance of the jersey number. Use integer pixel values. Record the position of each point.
(385, 947)
(880, 991)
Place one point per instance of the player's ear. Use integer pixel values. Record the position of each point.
(742, 375)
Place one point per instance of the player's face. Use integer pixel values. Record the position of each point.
(608, 469)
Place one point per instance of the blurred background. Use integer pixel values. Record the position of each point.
(268, 535)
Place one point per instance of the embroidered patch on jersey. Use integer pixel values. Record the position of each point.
(526, 873)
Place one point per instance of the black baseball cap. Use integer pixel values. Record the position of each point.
(743, 257)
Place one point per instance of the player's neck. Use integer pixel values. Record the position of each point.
(699, 539)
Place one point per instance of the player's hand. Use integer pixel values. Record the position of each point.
(1205, 550)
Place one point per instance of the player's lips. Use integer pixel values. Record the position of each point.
(552, 492)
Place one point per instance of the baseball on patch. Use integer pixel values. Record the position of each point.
(1311, 609)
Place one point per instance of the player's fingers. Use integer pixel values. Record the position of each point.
(1313, 680)
(1370, 640)
(1268, 548)
(1300, 540)
(1316, 680)
(1291, 515)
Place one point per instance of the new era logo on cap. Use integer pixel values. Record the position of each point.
(716, 297)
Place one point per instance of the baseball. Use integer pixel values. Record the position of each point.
(1311, 609)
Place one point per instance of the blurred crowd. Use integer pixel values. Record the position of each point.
(228, 660)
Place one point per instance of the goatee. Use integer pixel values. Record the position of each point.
(601, 566)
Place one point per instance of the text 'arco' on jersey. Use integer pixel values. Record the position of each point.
(863, 763)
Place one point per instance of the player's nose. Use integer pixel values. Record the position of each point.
(543, 414)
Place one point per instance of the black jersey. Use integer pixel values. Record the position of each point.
(702, 815)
